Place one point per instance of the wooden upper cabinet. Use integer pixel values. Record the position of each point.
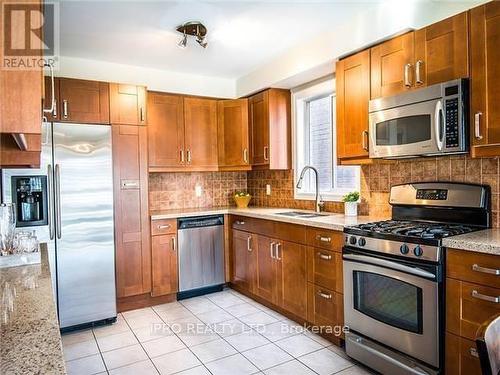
(270, 129)
(83, 101)
(353, 94)
(21, 90)
(127, 104)
(485, 79)
(200, 133)
(392, 66)
(130, 181)
(165, 131)
(232, 127)
(441, 51)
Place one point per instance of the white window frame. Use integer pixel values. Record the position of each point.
(300, 96)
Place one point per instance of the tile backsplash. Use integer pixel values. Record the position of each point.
(177, 190)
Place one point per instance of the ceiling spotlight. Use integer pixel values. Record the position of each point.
(183, 42)
(193, 28)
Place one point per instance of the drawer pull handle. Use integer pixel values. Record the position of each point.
(324, 295)
(323, 239)
(165, 226)
(237, 222)
(324, 256)
(491, 271)
(249, 243)
(484, 297)
(473, 352)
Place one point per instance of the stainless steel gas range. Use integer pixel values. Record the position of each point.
(394, 275)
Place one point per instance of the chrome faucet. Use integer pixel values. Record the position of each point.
(319, 203)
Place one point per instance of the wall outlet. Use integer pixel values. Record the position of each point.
(198, 190)
(268, 189)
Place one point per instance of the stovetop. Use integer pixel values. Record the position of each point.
(415, 229)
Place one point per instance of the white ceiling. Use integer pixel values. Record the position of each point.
(242, 35)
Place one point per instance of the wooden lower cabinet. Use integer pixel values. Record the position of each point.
(244, 247)
(461, 356)
(164, 265)
(291, 277)
(325, 308)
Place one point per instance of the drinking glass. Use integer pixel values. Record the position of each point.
(7, 228)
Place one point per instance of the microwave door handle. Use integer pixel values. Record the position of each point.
(439, 125)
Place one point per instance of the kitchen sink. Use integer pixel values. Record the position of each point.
(301, 214)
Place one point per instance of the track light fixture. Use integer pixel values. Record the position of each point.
(193, 28)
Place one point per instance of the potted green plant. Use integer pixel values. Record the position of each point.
(351, 203)
(242, 199)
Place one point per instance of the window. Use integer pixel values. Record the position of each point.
(315, 144)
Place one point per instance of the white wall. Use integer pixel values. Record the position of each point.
(154, 79)
(315, 58)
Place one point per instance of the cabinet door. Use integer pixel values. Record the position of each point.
(200, 132)
(133, 254)
(21, 90)
(232, 120)
(485, 79)
(353, 94)
(392, 66)
(244, 247)
(259, 120)
(83, 101)
(461, 356)
(164, 265)
(265, 278)
(292, 277)
(165, 131)
(127, 104)
(441, 51)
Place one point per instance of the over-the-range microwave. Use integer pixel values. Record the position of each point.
(430, 121)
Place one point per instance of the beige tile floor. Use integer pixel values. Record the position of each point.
(220, 333)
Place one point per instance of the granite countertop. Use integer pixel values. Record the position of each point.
(484, 241)
(328, 220)
(30, 342)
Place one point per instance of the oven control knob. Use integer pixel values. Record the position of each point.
(352, 240)
(418, 251)
(404, 249)
(361, 242)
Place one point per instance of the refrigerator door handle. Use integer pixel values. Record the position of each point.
(58, 200)
(50, 178)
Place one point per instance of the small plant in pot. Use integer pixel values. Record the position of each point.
(242, 199)
(351, 201)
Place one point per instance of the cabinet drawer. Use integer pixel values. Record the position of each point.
(324, 268)
(473, 267)
(461, 356)
(325, 239)
(324, 307)
(468, 306)
(242, 223)
(165, 226)
(290, 232)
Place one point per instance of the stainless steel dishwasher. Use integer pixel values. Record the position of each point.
(201, 255)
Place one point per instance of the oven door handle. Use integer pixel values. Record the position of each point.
(386, 263)
(439, 125)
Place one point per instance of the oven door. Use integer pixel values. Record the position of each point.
(410, 130)
(394, 304)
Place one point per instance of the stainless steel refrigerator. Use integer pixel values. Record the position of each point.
(77, 163)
